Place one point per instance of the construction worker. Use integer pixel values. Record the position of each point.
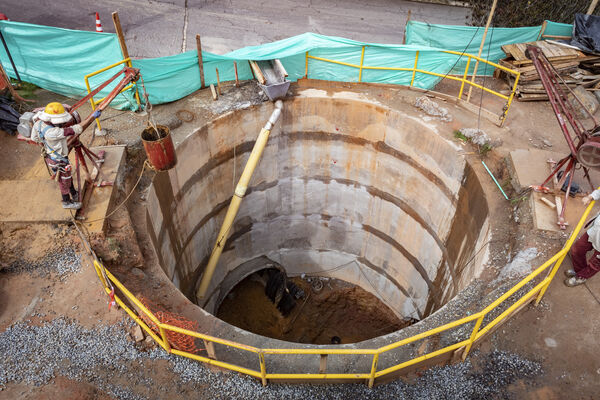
(590, 240)
(50, 128)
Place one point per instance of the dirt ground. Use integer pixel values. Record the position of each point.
(330, 308)
(560, 334)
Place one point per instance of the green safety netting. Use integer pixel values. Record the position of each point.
(468, 39)
(170, 78)
(58, 59)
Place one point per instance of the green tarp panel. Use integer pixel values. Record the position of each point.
(558, 29)
(57, 59)
(170, 78)
(468, 39)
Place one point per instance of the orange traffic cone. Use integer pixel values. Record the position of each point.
(98, 23)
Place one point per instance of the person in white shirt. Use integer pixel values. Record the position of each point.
(50, 128)
(590, 240)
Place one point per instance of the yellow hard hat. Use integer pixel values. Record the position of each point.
(55, 113)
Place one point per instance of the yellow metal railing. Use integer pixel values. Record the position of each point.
(462, 79)
(369, 377)
(93, 102)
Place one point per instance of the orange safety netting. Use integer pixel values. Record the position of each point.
(177, 340)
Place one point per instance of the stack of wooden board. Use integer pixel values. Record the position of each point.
(567, 61)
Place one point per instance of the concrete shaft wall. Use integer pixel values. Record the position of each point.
(345, 188)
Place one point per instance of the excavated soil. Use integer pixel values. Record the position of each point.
(338, 309)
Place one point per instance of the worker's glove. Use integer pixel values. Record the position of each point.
(77, 129)
(97, 113)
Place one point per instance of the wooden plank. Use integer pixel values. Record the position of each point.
(323, 364)
(257, 72)
(103, 198)
(210, 349)
(532, 97)
(215, 95)
(43, 202)
(551, 50)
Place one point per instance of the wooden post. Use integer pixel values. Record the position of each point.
(218, 81)
(487, 26)
(405, 25)
(541, 35)
(200, 64)
(119, 31)
(237, 82)
(592, 7)
(117, 22)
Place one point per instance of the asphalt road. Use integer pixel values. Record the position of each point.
(156, 28)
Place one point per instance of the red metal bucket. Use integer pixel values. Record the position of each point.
(159, 147)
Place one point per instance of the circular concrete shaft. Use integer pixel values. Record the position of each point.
(346, 188)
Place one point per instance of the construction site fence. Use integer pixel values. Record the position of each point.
(162, 332)
(467, 39)
(58, 59)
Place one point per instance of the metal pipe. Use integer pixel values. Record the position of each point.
(10, 58)
(236, 200)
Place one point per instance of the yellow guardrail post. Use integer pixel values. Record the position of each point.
(510, 99)
(412, 80)
(362, 58)
(464, 79)
(163, 335)
(373, 369)
(263, 368)
(306, 66)
(126, 61)
(473, 336)
(87, 84)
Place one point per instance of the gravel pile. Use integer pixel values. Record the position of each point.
(36, 354)
(62, 262)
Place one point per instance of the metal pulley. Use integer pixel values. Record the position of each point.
(588, 153)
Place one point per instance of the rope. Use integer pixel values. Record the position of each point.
(90, 251)
(128, 196)
(462, 54)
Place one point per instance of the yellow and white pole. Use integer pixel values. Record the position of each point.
(236, 200)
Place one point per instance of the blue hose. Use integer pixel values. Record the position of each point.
(495, 181)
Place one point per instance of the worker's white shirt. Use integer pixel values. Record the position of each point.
(56, 141)
(594, 230)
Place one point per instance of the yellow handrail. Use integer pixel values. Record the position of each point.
(369, 377)
(93, 102)
(415, 70)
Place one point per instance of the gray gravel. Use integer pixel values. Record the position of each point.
(35, 355)
(62, 262)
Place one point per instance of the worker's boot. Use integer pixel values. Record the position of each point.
(74, 194)
(68, 204)
(574, 281)
(570, 273)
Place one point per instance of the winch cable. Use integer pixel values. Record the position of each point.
(91, 252)
(146, 163)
